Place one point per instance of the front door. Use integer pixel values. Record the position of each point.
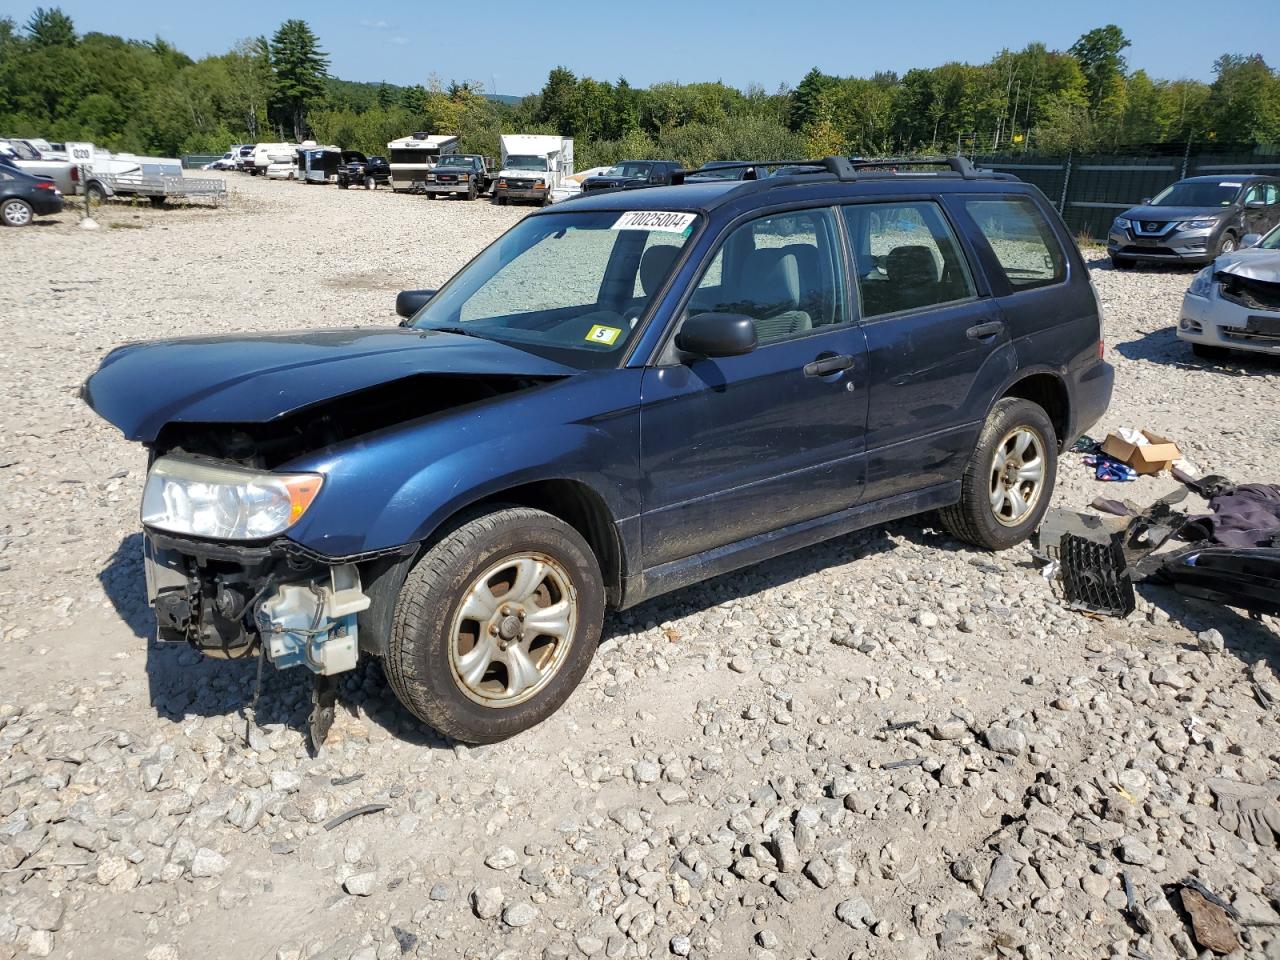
(738, 446)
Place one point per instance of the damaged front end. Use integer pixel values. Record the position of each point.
(222, 578)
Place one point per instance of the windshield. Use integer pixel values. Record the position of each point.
(714, 172)
(628, 170)
(571, 287)
(23, 151)
(1199, 194)
(456, 161)
(1272, 240)
(519, 161)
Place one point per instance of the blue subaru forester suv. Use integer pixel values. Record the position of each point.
(624, 394)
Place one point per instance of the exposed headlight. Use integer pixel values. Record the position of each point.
(224, 502)
(431, 176)
(1121, 223)
(1202, 284)
(1198, 224)
(540, 184)
(464, 176)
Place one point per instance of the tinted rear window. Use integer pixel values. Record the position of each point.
(1021, 239)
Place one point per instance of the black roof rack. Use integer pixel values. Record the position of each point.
(848, 168)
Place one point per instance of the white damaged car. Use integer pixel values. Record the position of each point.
(1234, 302)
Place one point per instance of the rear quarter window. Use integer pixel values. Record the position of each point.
(1022, 240)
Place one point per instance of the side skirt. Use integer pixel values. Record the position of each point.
(666, 577)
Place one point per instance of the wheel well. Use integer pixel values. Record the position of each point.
(1049, 393)
(582, 508)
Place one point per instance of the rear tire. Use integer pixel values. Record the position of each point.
(16, 212)
(992, 488)
(447, 659)
(370, 183)
(96, 192)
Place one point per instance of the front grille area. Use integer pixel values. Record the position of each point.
(1139, 250)
(1250, 294)
(521, 184)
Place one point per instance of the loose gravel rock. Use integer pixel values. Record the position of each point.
(889, 745)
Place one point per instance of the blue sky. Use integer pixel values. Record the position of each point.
(763, 41)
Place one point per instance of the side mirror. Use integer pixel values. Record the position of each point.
(1254, 205)
(1144, 201)
(409, 302)
(1250, 240)
(717, 335)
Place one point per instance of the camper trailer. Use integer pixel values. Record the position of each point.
(266, 154)
(533, 165)
(411, 157)
(321, 164)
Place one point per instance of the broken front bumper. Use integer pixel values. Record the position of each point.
(1218, 322)
(226, 599)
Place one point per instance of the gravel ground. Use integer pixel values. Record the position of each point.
(888, 745)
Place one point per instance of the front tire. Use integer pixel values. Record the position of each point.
(370, 183)
(1226, 245)
(496, 625)
(1008, 482)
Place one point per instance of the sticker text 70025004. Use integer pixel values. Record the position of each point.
(662, 221)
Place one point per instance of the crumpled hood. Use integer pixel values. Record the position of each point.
(1250, 263)
(1167, 214)
(140, 387)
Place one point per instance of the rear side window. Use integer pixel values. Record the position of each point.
(907, 257)
(1022, 241)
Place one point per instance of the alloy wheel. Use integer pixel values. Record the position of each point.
(17, 213)
(1017, 476)
(513, 629)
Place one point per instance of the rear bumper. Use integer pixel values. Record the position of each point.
(46, 206)
(1090, 392)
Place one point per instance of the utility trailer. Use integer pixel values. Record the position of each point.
(156, 187)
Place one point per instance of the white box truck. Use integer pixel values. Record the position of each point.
(533, 165)
(411, 157)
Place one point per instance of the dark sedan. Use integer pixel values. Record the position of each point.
(24, 196)
(1195, 220)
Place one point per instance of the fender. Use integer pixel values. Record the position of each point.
(398, 486)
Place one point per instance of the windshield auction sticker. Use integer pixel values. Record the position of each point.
(660, 221)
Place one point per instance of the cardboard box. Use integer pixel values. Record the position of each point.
(1157, 454)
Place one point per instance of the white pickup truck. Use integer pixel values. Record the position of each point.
(24, 155)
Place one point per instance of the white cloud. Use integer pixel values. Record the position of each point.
(374, 24)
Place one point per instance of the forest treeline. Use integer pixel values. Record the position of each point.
(148, 96)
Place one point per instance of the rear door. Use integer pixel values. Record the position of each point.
(937, 344)
(739, 446)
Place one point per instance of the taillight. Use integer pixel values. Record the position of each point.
(1102, 350)
(45, 186)
(75, 174)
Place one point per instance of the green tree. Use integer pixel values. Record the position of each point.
(300, 68)
(805, 101)
(51, 28)
(1100, 53)
(1244, 100)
